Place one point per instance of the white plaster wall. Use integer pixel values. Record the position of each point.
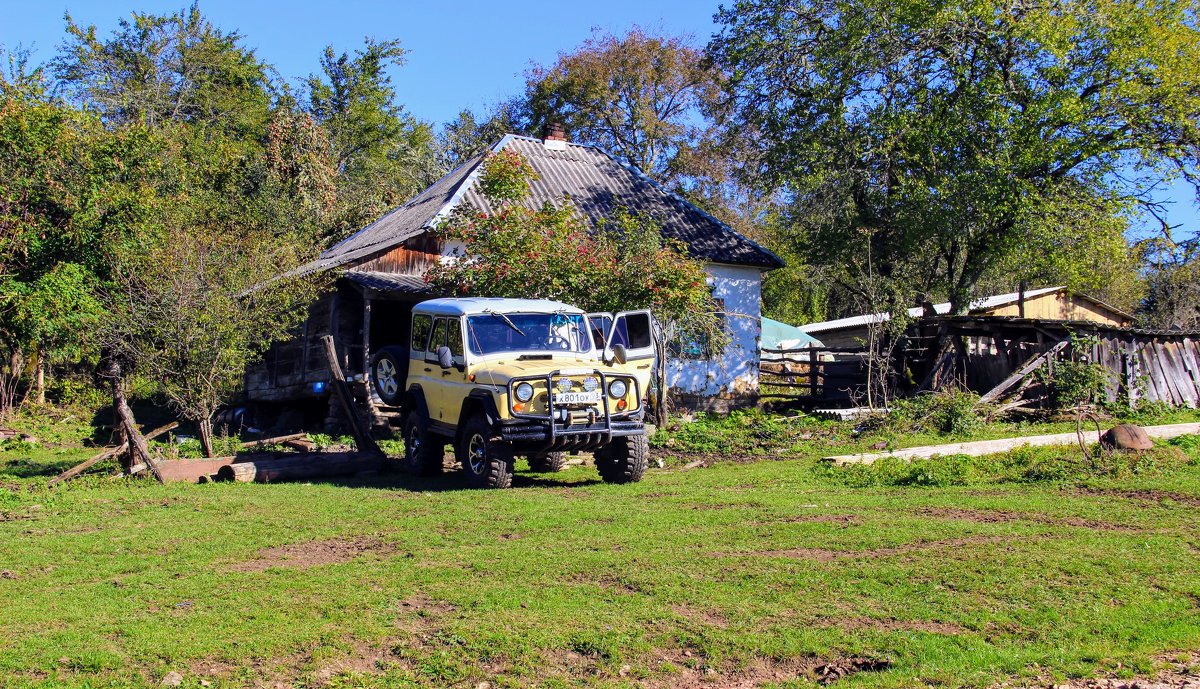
(736, 371)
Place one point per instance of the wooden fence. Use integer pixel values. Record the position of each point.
(813, 374)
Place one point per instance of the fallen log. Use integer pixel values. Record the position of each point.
(300, 467)
(278, 440)
(108, 453)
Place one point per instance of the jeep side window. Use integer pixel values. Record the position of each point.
(455, 338)
(421, 326)
(440, 326)
(633, 331)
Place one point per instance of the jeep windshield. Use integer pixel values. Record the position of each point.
(492, 333)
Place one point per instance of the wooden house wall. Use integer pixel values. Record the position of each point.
(410, 258)
(1062, 306)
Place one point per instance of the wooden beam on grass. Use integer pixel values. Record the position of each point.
(108, 453)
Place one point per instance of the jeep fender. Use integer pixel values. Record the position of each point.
(415, 401)
(478, 402)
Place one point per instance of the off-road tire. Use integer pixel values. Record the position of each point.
(487, 461)
(422, 450)
(548, 462)
(388, 374)
(624, 460)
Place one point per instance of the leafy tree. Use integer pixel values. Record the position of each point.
(638, 96)
(951, 134)
(466, 137)
(193, 308)
(552, 253)
(382, 154)
(157, 69)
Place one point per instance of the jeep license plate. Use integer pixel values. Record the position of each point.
(592, 397)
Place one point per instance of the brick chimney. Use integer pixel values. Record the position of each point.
(554, 136)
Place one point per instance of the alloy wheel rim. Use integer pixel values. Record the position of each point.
(386, 375)
(477, 453)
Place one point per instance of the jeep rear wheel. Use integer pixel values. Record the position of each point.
(547, 462)
(624, 460)
(422, 450)
(388, 374)
(487, 462)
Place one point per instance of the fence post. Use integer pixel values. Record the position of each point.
(812, 370)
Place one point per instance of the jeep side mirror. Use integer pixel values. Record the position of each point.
(445, 358)
(619, 354)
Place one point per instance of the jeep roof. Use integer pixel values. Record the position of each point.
(469, 306)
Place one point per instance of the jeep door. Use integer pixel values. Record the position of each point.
(443, 387)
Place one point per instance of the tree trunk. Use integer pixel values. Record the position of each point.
(40, 376)
(205, 426)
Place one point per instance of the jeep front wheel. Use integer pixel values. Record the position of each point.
(547, 462)
(422, 450)
(487, 462)
(624, 460)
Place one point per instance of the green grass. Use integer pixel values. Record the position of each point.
(955, 572)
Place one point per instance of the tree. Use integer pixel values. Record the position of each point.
(639, 96)
(382, 154)
(192, 309)
(948, 131)
(157, 69)
(552, 253)
(466, 137)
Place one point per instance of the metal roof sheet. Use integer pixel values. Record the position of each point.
(595, 181)
(389, 282)
(941, 309)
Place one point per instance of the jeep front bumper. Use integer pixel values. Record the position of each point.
(546, 436)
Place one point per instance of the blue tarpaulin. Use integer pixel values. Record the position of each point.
(777, 335)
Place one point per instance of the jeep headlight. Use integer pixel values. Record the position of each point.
(618, 388)
(523, 392)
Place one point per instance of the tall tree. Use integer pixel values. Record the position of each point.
(467, 136)
(156, 69)
(639, 96)
(934, 137)
(382, 154)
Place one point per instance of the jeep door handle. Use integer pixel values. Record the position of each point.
(429, 370)
(446, 373)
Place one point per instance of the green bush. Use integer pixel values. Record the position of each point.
(949, 412)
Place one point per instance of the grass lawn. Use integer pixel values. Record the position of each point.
(1026, 568)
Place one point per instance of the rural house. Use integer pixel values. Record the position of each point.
(381, 270)
(1049, 304)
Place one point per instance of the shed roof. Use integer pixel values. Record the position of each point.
(597, 184)
(942, 309)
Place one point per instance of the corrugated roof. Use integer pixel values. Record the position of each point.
(941, 309)
(388, 282)
(596, 182)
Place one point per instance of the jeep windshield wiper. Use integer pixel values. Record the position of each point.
(506, 320)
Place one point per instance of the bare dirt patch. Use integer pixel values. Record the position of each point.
(314, 554)
(1005, 517)
(708, 618)
(1148, 495)
(839, 519)
(853, 624)
(692, 673)
(826, 555)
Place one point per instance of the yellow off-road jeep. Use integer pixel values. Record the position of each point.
(500, 378)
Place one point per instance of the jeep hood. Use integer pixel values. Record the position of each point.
(501, 371)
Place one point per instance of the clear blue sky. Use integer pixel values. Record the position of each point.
(470, 53)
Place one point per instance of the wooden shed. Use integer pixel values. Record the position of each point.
(1048, 304)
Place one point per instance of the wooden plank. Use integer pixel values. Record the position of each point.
(1180, 381)
(362, 435)
(988, 447)
(108, 453)
(1033, 365)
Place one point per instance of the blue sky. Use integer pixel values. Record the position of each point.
(463, 54)
(470, 53)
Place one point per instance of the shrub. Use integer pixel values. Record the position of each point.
(950, 412)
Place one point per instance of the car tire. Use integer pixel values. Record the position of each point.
(388, 374)
(422, 450)
(487, 461)
(624, 460)
(548, 462)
